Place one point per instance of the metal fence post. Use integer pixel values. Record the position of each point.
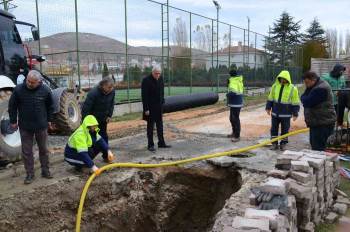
(38, 25)
(190, 52)
(77, 39)
(126, 50)
(229, 49)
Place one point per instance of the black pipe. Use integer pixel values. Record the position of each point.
(182, 102)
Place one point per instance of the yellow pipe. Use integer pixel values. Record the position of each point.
(203, 157)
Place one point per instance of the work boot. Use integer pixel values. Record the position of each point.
(230, 135)
(152, 149)
(283, 146)
(29, 179)
(234, 139)
(46, 174)
(274, 146)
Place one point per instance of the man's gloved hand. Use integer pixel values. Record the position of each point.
(110, 156)
(96, 170)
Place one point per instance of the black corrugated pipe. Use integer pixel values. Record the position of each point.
(182, 102)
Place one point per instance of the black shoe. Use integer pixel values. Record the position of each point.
(152, 149)
(164, 146)
(274, 147)
(46, 174)
(29, 179)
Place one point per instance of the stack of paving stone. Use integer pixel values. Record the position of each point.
(305, 182)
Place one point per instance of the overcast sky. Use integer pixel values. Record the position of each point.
(106, 17)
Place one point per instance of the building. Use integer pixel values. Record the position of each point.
(239, 56)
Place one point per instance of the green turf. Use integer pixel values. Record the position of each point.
(135, 94)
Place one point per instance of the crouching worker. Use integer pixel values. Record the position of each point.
(85, 144)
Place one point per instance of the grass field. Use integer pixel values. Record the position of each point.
(135, 94)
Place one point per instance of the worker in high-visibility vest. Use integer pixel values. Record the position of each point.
(235, 102)
(282, 104)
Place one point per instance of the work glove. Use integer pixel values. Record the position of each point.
(96, 170)
(110, 156)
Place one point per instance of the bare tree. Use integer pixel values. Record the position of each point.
(203, 37)
(180, 37)
(332, 42)
(347, 42)
(340, 43)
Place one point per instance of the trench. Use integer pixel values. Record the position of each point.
(173, 199)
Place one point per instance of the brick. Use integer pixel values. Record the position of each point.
(278, 174)
(308, 227)
(302, 166)
(340, 208)
(301, 177)
(252, 199)
(331, 217)
(248, 223)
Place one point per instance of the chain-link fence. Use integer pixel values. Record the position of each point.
(85, 40)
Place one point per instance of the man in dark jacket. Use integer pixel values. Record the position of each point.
(319, 111)
(32, 103)
(100, 103)
(152, 92)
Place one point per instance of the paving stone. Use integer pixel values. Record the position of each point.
(274, 185)
(315, 163)
(272, 215)
(340, 208)
(343, 200)
(331, 217)
(286, 158)
(344, 221)
(248, 223)
(302, 166)
(301, 177)
(309, 227)
(281, 174)
(298, 190)
(223, 161)
(341, 193)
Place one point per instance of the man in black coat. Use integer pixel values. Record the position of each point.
(152, 92)
(32, 103)
(100, 103)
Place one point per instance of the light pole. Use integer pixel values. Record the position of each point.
(248, 41)
(218, 7)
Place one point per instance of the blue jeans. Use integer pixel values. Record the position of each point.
(319, 136)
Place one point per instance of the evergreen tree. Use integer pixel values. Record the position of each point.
(105, 71)
(315, 32)
(285, 36)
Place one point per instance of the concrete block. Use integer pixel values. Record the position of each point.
(331, 217)
(252, 199)
(223, 161)
(340, 208)
(281, 174)
(271, 215)
(308, 227)
(344, 221)
(302, 166)
(248, 223)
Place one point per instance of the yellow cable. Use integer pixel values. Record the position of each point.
(203, 157)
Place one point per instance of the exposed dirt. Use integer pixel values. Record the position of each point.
(172, 199)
